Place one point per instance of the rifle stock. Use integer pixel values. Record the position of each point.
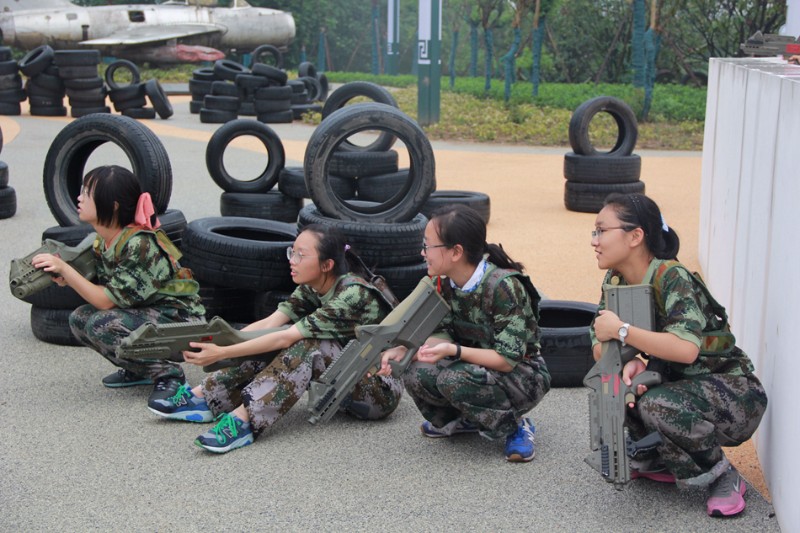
(25, 280)
(167, 341)
(408, 325)
(608, 437)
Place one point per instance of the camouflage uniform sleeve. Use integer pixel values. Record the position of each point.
(141, 270)
(337, 318)
(682, 314)
(513, 320)
(300, 303)
(600, 306)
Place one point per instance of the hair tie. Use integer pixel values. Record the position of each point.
(145, 211)
(346, 247)
(664, 226)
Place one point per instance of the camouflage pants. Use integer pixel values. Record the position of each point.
(269, 390)
(695, 417)
(494, 401)
(103, 330)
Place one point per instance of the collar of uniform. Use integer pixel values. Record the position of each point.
(475, 280)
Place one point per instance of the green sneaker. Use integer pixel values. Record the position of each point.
(231, 432)
(124, 378)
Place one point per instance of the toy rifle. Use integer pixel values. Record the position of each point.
(770, 44)
(24, 279)
(409, 325)
(167, 341)
(608, 436)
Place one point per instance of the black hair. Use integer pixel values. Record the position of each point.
(331, 244)
(116, 192)
(638, 211)
(460, 224)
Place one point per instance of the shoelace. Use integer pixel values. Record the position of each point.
(183, 391)
(225, 421)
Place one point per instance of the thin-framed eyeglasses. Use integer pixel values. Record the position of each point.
(294, 256)
(598, 232)
(426, 247)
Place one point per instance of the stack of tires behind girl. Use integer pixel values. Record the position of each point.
(592, 175)
(129, 98)
(45, 88)
(8, 196)
(11, 91)
(85, 89)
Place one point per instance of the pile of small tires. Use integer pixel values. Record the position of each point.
(592, 175)
(64, 169)
(8, 197)
(130, 99)
(11, 91)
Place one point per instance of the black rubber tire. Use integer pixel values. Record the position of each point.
(140, 113)
(65, 161)
(217, 116)
(275, 75)
(69, 235)
(259, 51)
(85, 84)
(306, 68)
(52, 326)
(47, 82)
(298, 110)
(621, 112)
(313, 87)
(46, 101)
(222, 103)
(225, 69)
(35, 61)
(13, 96)
(271, 106)
(123, 64)
(341, 96)
(589, 197)
(70, 73)
(245, 253)
(204, 74)
(54, 111)
(271, 205)
(247, 109)
(224, 88)
(267, 302)
(566, 345)
(199, 89)
(195, 106)
(403, 279)
(158, 98)
(251, 82)
(329, 136)
(300, 98)
(292, 182)
(90, 97)
(361, 164)
(382, 187)
(378, 244)
(131, 92)
(79, 112)
(478, 201)
(324, 87)
(602, 169)
(10, 108)
(281, 92)
(278, 117)
(55, 297)
(9, 67)
(76, 58)
(133, 103)
(5, 53)
(219, 142)
(232, 305)
(3, 174)
(8, 202)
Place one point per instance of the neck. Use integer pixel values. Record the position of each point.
(323, 285)
(108, 233)
(635, 268)
(461, 273)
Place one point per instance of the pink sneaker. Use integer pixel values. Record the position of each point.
(662, 476)
(726, 497)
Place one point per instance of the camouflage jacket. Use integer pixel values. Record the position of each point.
(509, 326)
(684, 308)
(351, 302)
(136, 272)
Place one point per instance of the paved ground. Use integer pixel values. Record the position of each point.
(76, 456)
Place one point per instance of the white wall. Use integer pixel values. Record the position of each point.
(750, 244)
(792, 26)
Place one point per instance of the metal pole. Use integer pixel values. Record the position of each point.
(392, 36)
(430, 66)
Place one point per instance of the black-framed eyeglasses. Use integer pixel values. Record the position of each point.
(426, 247)
(598, 232)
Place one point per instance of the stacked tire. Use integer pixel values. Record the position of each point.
(11, 90)
(592, 175)
(64, 168)
(85, 89)
(45, 88)
(130, 98)
(308, 90)
(8, 196)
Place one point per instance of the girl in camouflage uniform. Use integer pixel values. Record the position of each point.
(138, 278)
(481, 370)
(709, 396)
(329, 302)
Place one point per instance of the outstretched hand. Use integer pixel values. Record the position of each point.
(205, 353)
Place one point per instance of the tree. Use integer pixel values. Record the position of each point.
(490, 11)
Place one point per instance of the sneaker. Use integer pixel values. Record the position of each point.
(662, 476)
(165, 387)
(230, 433)
(184, 405)
(452, 428)
(726, 494)
(519, 445)
(124, 378)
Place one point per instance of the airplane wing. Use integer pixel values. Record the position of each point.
(152, 34)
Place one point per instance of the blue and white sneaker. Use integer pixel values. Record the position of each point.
(231, 432)
(453, 428)
(519, 445)
(183, 405)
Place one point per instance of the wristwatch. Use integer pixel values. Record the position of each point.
(623, 332)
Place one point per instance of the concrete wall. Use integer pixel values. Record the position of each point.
(750, 244)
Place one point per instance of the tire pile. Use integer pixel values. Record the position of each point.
(129, 98)
(11, 91)
(8, 196)
(228, 89)
(64, 169)
(593, 175)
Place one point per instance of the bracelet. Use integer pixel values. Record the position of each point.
(457, 356)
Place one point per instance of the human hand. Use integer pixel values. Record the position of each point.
(392, 354)
(795, 60)
(49, 263)
(606, 326)
(633, 368)
(436, 352)
(205, 353)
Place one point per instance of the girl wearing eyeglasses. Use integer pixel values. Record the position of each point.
(331, 299)
(481, 371)
(709, 396)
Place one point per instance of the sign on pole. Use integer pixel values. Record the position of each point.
(392, 36)
(429, 52)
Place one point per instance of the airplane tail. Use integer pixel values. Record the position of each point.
(20, 5)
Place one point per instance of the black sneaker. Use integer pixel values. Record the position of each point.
(165, 387)
(124, 378)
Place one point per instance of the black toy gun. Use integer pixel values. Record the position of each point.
(409, 325)
(770, 44)
(25, 280)
(167, 341)
(608, 436)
